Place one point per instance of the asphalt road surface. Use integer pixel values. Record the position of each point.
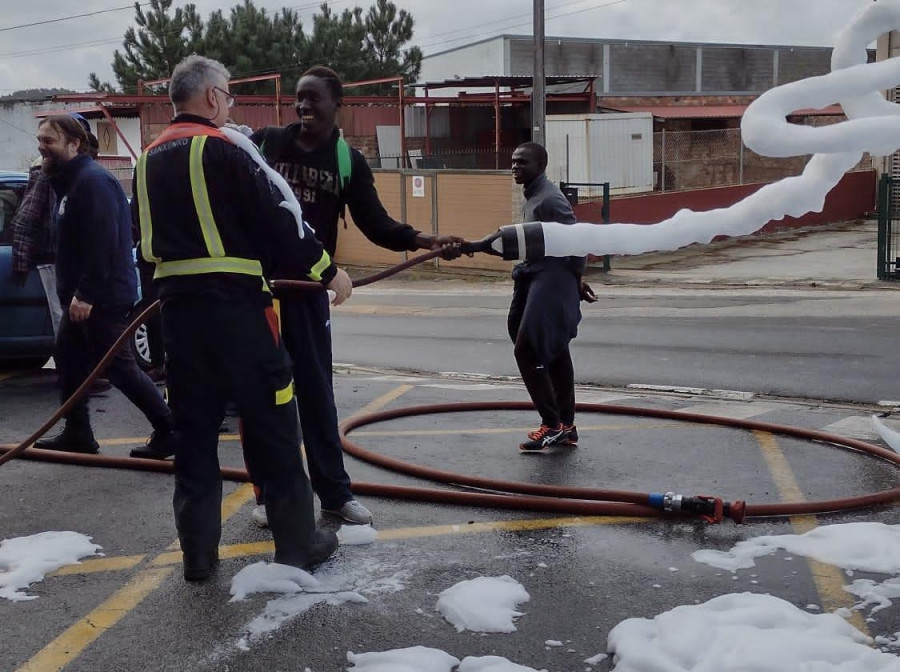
(817, 345)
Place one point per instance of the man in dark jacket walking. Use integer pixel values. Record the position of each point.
(544, 312)
(96, 284)
(326, 174)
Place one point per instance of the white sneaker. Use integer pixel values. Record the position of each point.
(352, 512)
(259, 515)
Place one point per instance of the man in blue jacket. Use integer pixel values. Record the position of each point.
(96, 285)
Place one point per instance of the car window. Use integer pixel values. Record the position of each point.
(9, 201)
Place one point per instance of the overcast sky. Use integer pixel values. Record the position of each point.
(62, 54)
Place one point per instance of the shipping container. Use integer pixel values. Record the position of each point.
(595, 148)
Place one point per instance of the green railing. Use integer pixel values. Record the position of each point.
(889, 228)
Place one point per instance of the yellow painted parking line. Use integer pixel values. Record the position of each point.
(380, 402)
(504, 526)
(75, 639)
(509, 430)
(267, 547)
(231, 504)
(246, 550)
(128, 441)
(114, 564)
(132, 440)
(828, 579)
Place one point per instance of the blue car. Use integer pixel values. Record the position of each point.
(26, 332)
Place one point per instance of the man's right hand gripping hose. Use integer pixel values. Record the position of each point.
(342, 286)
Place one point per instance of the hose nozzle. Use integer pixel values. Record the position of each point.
(711, 509)
(514, 242)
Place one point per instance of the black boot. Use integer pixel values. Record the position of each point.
(160, 446)
(75, 438)
(297, 540)
(324, 544)
(199, 567)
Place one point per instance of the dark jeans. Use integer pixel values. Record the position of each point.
(80, 345)
(543, 319)
(220, 352)
(306, 326)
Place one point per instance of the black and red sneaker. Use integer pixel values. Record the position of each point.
(571, 435)
(544, 437)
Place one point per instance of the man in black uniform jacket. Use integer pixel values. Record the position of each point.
(544, 313)
(211, 223)
(308, 153)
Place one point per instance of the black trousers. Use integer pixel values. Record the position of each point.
(80, 345)
(220, 352)
(543, 318)
(306, 326)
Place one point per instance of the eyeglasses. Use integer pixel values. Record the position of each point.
(228, 96)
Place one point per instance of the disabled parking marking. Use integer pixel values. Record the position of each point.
(828, 578)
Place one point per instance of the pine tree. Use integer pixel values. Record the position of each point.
(386, 33)
(162, 39)
(250, 41)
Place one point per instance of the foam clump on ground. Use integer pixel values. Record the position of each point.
(27, 560)
(413, 659)
(483, 604)
(747, 632)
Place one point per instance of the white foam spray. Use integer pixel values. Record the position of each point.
(873, 126)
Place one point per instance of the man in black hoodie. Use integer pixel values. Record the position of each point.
(315, 160)
(96, 284)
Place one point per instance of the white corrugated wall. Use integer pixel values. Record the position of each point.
(595, 148)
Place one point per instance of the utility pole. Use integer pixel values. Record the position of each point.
(538, 90)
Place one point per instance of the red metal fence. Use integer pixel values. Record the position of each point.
(853, 198)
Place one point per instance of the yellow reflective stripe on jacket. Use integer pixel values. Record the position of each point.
(284, 395)
(145, 223)
(324, 262)
(165, 269)
(201, 199)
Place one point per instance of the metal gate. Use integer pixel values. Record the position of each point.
(889, 227)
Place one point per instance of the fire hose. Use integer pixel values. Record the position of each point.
(495, 493)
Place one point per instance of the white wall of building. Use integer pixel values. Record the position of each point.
(475, 60)
(18, 127)
(597, 148)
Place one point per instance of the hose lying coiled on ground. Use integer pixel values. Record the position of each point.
(492, 493)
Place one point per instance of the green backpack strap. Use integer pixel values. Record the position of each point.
(344, 161)
(273, 139)
(345, 167)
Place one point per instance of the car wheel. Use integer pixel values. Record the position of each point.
(140, 345)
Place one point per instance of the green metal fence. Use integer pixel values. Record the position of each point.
(889, 228)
